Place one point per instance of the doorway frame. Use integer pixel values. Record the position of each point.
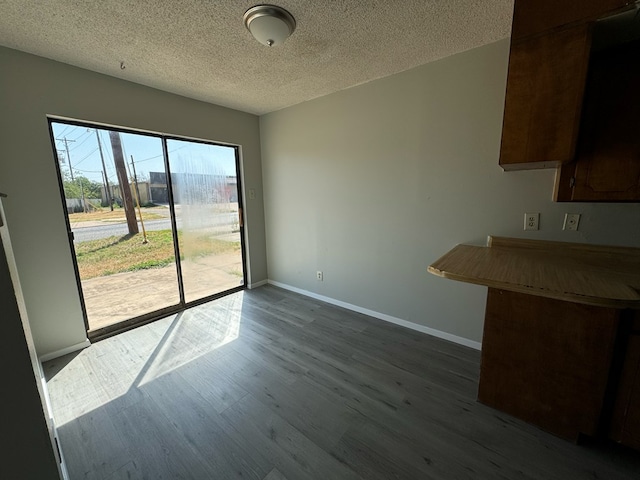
(182, 305)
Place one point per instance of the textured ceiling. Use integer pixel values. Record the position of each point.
(201, 49)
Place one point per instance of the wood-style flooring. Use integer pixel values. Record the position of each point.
(269, 385)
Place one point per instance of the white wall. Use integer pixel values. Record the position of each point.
(32, 87)
(372, 184)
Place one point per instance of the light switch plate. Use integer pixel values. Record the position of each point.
(571, 221)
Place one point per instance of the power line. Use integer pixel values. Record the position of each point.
(150, 158)
(86, 156)
(87, 171)
(64, 130)
(80, 144)
(80, 136)
(161, 155)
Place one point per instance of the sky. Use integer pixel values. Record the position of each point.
(184, 155)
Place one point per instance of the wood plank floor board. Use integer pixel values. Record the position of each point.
(302, 405)
(340, 377)
(426, 426)
(470, 424)
(293, 453)
(272, 385)
(464, 461)
(81, 442)
(130, 471)
(272, 320)
(326, 326)
(143, 344)
(288, 371)
(117, 377)
(275, 475)
(431, 414)
(460, 360)
(338, 318)
(354, 451)
(404, 358)
(415, 388)
(257, 330)
(76, 389)
(314, 349)
(156, 445)
(215, 385)
(310, 310)
(347, 389)
(173, 352)
(196, 426)
(280, 312)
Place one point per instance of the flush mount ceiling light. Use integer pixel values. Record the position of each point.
(269, 24)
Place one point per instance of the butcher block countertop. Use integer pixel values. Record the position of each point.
(588, 274)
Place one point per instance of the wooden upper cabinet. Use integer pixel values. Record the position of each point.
(545, 86)
(607, 165)
(532, 17)
(572, 99)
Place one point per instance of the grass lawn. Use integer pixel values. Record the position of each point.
(98, 258)
(106, 215)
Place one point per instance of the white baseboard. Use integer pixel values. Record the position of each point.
(383, 316)
(257, 284)
(64, 351)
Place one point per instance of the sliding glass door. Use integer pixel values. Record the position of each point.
(155, 223)
(205, 194)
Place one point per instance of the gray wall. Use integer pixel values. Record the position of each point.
(31, 88)
(372, 184)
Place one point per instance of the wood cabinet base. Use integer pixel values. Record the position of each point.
(547, 361)
(625, 420)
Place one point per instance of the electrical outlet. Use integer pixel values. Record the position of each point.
(571, 221)
(252, 194)
(319, 276)
(531, 221)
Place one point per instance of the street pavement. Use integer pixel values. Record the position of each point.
(84, 231)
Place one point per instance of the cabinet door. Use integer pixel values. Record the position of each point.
(626, 417)
(545, 86)
(607, 166)
(547, 361)
(531, 17)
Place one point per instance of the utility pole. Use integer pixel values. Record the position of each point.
(135, 178)
(66, 145)
(84, 202)
(104, 170)
(121, 170)
(137, 195)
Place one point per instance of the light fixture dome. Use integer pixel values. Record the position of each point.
(269, 24)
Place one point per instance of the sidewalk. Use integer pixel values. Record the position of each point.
(118, 297)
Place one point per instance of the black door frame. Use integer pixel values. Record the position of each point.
(128, 324)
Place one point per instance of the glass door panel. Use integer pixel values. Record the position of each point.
(121, 231)
(204, 180)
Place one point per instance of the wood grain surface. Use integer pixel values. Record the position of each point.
(547, 361)
(533, 17)
(625, 421)
(269, 385)
(545, 85)
(587, 274)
